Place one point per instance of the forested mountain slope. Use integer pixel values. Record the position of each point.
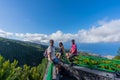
(25, 52)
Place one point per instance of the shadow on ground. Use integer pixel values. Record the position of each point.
(65, 75)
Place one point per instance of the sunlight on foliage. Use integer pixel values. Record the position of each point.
(10, 71)
(94, 62)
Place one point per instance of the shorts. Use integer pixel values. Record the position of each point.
(56, 61)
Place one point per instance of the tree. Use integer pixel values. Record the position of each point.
(10, 71)
(118, 54)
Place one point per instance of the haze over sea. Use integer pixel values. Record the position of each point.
(98, 48)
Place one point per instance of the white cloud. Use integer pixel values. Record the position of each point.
(60, 36)
(5, 34)
(109, 56)
(105, 32)
(33, 37)
(108, 32)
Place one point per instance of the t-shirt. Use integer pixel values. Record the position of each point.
(74, 48)
(51, 49)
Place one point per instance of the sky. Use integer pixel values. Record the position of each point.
(86, 21)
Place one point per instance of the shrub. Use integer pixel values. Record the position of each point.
(10, 71)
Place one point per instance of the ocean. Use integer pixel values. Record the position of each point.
(102, 49)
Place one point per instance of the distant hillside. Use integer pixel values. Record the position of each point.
(25, 52)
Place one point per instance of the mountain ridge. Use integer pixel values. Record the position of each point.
(25, 52)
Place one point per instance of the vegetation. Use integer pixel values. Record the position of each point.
(95, 62)
(22, 60)
(118, 56)
(10, 71)
(28, 62)
(25, 52)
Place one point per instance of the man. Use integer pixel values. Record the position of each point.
(52, 57)
(73, 51)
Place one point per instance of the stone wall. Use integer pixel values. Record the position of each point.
(82, 73)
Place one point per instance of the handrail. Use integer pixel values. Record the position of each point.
(48, 75)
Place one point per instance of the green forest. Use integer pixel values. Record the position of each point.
(21, 60)
(24, 52)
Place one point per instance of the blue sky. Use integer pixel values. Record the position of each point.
(86, 21)
(48, 16)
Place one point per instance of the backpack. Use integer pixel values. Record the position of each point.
(46, 54)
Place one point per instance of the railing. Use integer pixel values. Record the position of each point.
(48, 74)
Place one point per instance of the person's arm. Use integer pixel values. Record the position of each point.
(70, 50)
(73, 51)
(63, 49)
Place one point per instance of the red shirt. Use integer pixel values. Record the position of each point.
(74, 49)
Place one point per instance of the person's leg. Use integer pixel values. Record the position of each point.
(55, 60)
(57, 68)
(57, 65)
(67, 55)
(71, 57)
(59, 56)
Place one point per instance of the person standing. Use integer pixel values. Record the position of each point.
(52, 57)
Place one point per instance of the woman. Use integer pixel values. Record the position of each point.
(61, 50)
